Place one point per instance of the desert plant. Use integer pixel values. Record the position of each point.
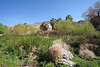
(92, 47)
(21, 29)
(59, 19)
(53, 23)
(86, 54)
(69, 17)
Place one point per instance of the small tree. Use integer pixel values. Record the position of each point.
(93, 15)
(25, 24)
(59, 19)
(69, 17)
(53, 22)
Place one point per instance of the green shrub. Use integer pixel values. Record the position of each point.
(63, 27)
(21, 29)
(68, 27)
(3, 28)
(21, 46)
(15, 50)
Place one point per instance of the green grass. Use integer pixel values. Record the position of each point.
(9, 61)
(14, 51)
(12, 45)
(86, 63)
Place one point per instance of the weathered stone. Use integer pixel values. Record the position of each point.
(60, 50)
(67, 54)
(66, 62)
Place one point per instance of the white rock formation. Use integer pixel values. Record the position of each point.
(66, 54)
(50, 27)
(66, 62)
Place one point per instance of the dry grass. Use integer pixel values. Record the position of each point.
(56, 48)
(88, 50)
(92, 47)
(86, 54)
(89, 47)
(62, 44)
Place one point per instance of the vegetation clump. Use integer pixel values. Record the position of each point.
(3, 28)
(72, 28)
(53, 23)
(21, 29)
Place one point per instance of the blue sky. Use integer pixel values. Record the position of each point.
(13, 12)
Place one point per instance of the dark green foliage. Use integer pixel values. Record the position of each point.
(59, 19)
(96, 22)
(69, 17)
(53, 23)
(44, 26)
(25, 24)
(3, 28)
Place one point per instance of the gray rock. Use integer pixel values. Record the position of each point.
(66, 62)
(66, 55)
(1, 34)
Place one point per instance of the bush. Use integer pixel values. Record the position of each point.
(72, 28)
(21, 29)
(3, 28)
